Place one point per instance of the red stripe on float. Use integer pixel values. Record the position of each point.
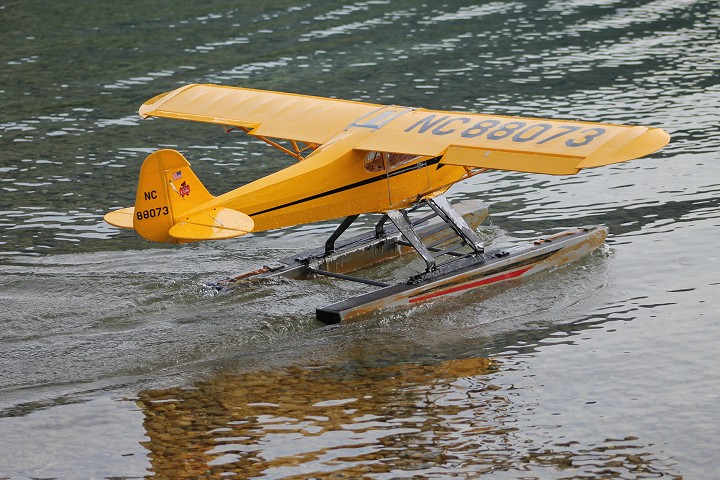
(479, 283)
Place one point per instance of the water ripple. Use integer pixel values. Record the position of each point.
(624, 18)
(516, 384)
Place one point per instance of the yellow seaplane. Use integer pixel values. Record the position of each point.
(355, 158)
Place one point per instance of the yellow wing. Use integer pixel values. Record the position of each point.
(269, 114)
(467, 139)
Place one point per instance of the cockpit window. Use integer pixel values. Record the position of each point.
(374, 162)
(397, 159)
(378, 161)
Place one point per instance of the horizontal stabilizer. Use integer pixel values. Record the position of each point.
(212, 225)
(122, 218)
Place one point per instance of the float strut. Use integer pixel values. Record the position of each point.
(445, 211)
(400, 219)
(330, 243)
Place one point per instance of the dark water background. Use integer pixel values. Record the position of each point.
(114, 363)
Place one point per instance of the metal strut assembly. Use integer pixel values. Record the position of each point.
(451, 221)
(431, 248)
(400, 219)
(442, 207)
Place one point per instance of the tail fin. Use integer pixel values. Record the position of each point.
(168, 205)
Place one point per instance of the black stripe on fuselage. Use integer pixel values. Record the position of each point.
(400, 171)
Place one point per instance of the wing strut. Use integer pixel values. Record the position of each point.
(296, 151)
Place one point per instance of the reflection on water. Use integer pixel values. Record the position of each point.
(433, 420)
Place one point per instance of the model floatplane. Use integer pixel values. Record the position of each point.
(355, 158)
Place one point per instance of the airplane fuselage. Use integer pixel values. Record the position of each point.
(337, 181)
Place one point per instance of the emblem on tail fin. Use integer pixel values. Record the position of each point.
(184, 189)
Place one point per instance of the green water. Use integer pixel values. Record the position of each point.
(115, 363)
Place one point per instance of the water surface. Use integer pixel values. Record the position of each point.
(116, 363)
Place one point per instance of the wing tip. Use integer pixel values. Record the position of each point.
(146, 109)
(646, 143)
